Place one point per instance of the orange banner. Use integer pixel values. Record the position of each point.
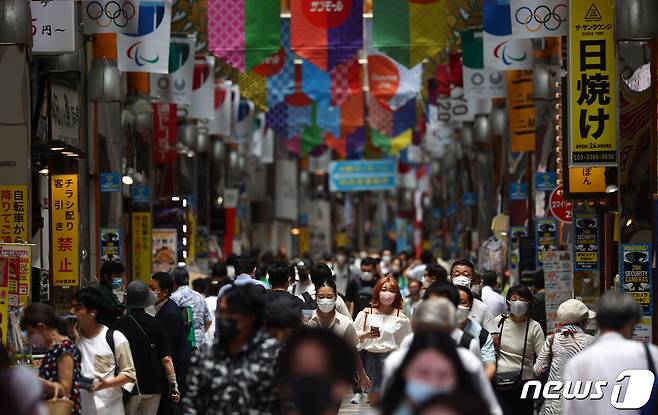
(521, 110)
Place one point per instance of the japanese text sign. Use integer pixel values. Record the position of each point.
(521, 110)
(64, 230)
(164, 133)
(16, 269)
(546, 238)
(64, 113)
(592, 84)
(586, 244)
(53, 26)
(636, 273)
(141, 246)
(13, 214)
(587, 180)
(351, 176)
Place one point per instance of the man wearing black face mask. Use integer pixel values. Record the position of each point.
(359, 290)
(235, 375)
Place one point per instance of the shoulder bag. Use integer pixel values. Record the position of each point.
(510, 380)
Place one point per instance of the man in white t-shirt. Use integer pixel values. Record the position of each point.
(462, 273)
(496, 302)
(107, 362)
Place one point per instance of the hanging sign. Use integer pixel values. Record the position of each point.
(592, 84)
(141, 246)
(16, 268)
(546, 238)
(164, 250)
(64, 230)
(502, 50)
(165, 130)
(558, 280)
(521, 110)
(515, 235)
(587, 179)
(176, 86)
(140, 193)
(539, 18)
(586, 242)
(470, 199)
(391, 83)
(110, 182)
(110, 244)
(53, 26)
(545, 182)
(110, 16)
(147, 50)
(352, 176)
(13, 214)
(636, 274)
(479, 82)
(560, 208)
(518, 191)
(203, 88)
(64, 112)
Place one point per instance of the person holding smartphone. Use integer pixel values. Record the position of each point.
(381, 328)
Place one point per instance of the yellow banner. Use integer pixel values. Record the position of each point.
(141, 246)
(64, 230)
(13, 214)
(521, 110)
(587, 180)
(592, 84)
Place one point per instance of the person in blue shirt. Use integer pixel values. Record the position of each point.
(475, 330)
(245, 269)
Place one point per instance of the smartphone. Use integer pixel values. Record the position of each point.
(374, 329)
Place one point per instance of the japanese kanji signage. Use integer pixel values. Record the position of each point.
(165, 249)
(53, 26)
(521, 110)
(13, 214)
(515, 235)
(587, 180)
(110, 244)
(636, 273)
(16, 269)
(64, 112)
(586, 242)
(141, 246)
(164, 133)
(592, 86)
(64, 230)
(546, 238)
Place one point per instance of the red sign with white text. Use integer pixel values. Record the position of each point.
(561, 208)
(164, 133)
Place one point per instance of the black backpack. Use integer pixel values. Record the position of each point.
(309, 302)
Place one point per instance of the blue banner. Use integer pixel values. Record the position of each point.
(141, 193)
(636, 279)
(518, 191)
(362, 175)
(110, 182)
(545, 182)
(470, 199)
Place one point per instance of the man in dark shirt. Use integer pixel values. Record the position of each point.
(237, 375)
(150, 350)
(168, 313)
(359, 290)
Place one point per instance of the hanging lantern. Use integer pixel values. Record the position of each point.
(187, 135)
(636, 19)
(541, 82)
(218, 151)
(15, 22)
(104, 81)
(481, 129)
(203, 140)
(498, 121)
(467, 135)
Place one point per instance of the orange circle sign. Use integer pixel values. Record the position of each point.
(383, 77)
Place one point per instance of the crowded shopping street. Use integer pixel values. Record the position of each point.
(324, 207)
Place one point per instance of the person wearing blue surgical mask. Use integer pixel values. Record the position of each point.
(431, 367)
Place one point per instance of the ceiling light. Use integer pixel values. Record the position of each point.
(127, 179)
(611, 188)
(220, 200)
(175, 198)
(44, 171)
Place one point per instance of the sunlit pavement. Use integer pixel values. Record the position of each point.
(350, 408)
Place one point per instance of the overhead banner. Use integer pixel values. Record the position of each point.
(13, 214)
(141, 246)
(279, 69)
(391, 83)
(203, 89)
(410, 30)
(502, 51)
(53, 26)
(636, 274)
(220, 123)
(539, 18)
(326, 33)
(479, 82)
(362, 175)
(110, 16)
(546, 238)
(586, 242)
(176, 86)
(147, 50)
(521, 110)
(244, 33)
(164, 249)
(164, 133)
(592, 84)
(64, 230)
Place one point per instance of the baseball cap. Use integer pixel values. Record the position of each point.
(573, 311)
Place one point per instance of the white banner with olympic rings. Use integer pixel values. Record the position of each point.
(110, 16)
(539, 18)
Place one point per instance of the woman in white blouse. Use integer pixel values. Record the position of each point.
(381, 328)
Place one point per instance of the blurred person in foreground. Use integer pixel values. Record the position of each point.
(21, 392)
(237, 374)
(439, 314)
(316, 373)
(59, 371)
(563, 345)
(431, 366)
(454, 403)
(611, 353)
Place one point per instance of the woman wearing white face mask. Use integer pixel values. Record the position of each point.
(326, 317)
(520, 340)
(381, 328)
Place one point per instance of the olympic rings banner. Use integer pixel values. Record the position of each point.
(502, 50)
(110, 16)
(539, 18)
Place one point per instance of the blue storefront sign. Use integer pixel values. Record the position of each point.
(110, 182)
(470, 199)
(518, 191)
(636, 280)
(141, 193)
(545, 182)
(362, 175)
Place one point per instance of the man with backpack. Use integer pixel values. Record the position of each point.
(151, 352)
(107, 363)
(319, 274)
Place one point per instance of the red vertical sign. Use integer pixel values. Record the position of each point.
(164, 133)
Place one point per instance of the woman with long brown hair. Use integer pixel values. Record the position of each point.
(381, 328)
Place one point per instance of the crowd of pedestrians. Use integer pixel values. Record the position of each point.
(293, 337)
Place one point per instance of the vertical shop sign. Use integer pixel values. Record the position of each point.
(521, 110)
(64, 112)
(64, 230)
(592, 84)
(546, 238)
(165, 249)
(515, 235)
(558, 279)
(110, 244)
(636, 274)
(4, 306)
(586, 242)
(164, 133)
(141, 246)
(53, 26)
(16, 266)
(13, 214)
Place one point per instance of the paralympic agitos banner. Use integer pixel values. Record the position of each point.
(502, 50)
(147, 50)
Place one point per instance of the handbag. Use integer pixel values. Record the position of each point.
(59, 406)
(510, 380)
